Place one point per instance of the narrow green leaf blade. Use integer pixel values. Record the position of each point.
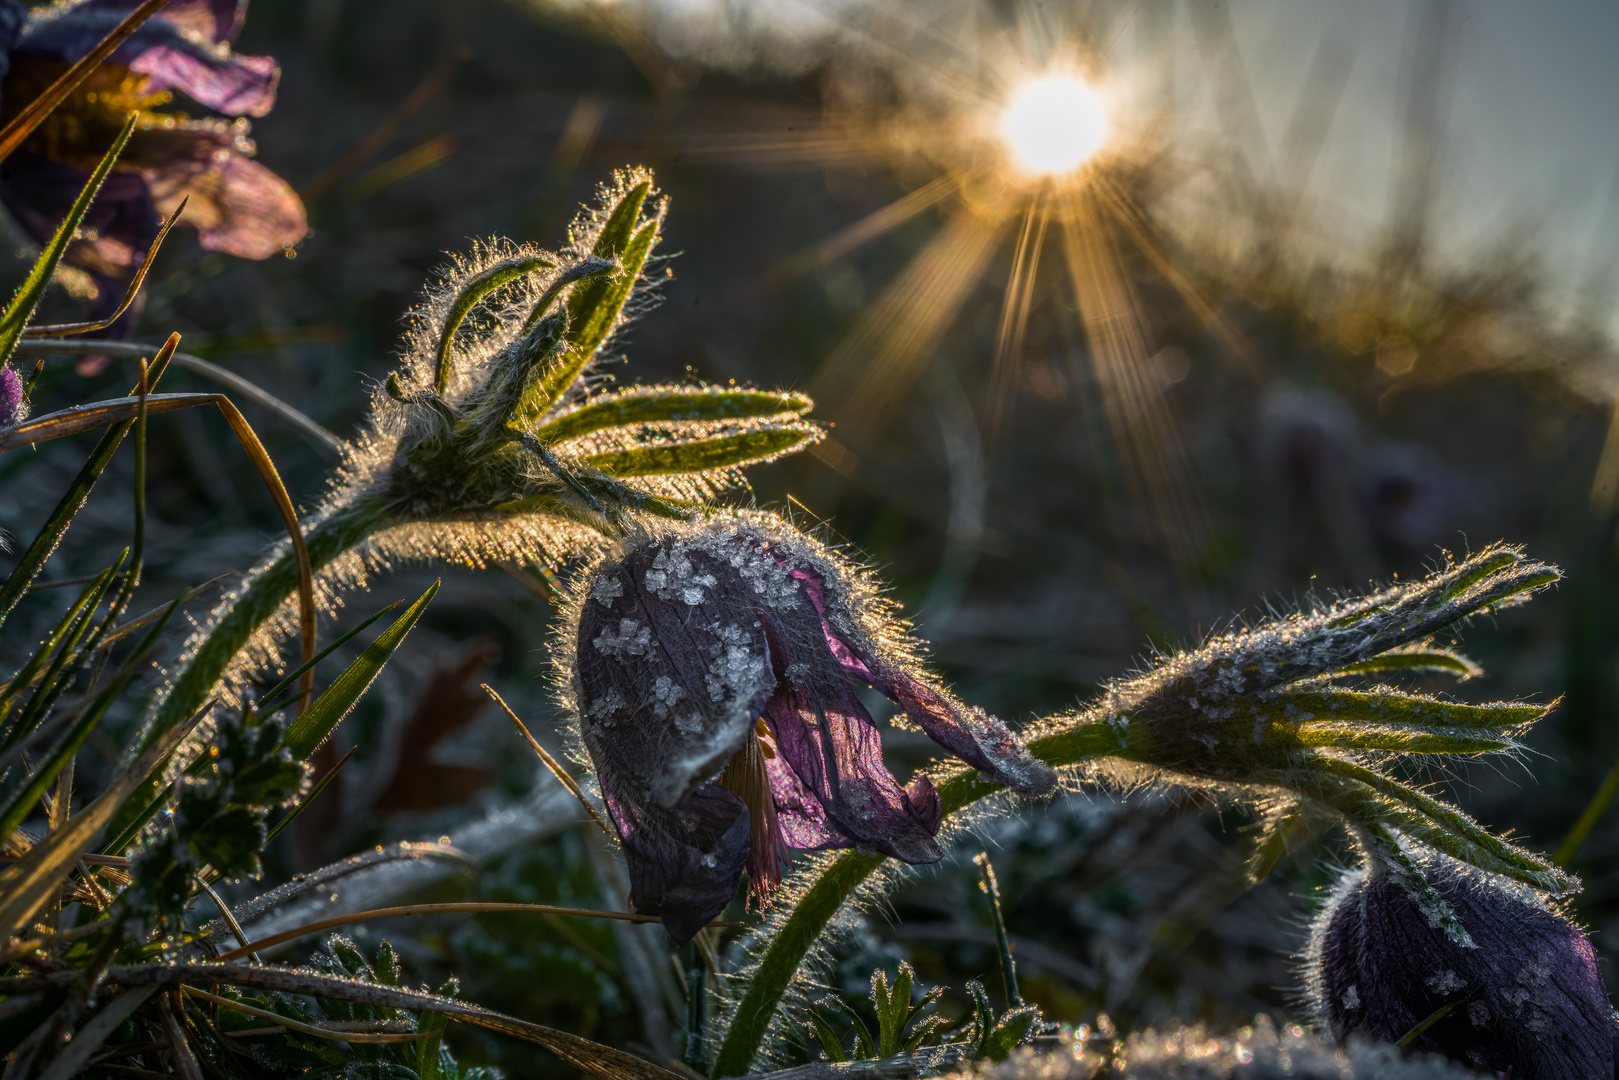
(705, 455)
(594, 309)
(1398, 739)
(502, 273)
(662, 404)
(828, 1040)
(1391, 707)
(1436, 660)
(311, 729)
(21, 308)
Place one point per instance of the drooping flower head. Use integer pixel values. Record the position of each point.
(713, 668)
(1522, 998)
(236, 205)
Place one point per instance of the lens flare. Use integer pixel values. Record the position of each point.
(1054, 125)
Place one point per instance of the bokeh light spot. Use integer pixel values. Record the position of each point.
(1054, 125)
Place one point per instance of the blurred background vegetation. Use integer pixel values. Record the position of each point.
(1301, 414)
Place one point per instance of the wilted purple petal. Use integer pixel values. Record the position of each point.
(210, 74)
(969, 734)
(10, 397)
(836, 752)
(235, 85)
(1528, 1000)
(799, 813)
(207, 20)
(237, 205)
(684, 863)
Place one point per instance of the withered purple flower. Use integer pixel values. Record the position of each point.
(713, 669)
(236, 205)
(1524, 996)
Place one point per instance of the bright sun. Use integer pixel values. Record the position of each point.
(1054, 125)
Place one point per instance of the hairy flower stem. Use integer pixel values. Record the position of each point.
(341, 531)
(793, 939)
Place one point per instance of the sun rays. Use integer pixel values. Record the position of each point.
(1018, 139)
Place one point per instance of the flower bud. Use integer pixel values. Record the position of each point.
(1523, 999)
(12, 406)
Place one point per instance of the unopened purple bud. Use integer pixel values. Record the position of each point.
(11, 397)
(1523, 999)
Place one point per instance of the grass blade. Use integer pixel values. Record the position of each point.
(51, 533)
(1588, 819)
(426, 909)
(22, 803)
(81, 418)
(244, 388)
(34, 668)
(309, 796)
(33, 879)
(311, 729)
(22, 305)
(23, 124)
(67, 329)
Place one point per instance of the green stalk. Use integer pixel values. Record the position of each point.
(794, 938)
(343, 530)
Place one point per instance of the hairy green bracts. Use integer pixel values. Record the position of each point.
(1268, 715)
(494, 441)
(1262, 713)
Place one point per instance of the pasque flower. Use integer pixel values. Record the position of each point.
(713, 668)
(236, 205)
(1522, 999)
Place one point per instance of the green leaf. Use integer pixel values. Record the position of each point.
(864, 1045)
(1437, 660)
(879, 1002)
(891, 1021)
(311, 729)
(594, 306)
(1393, 707)
(1396, 739)
(230, 841)
(828, 1039)
(502, 273)
(21, 308)
(589, 308)
(269, 696)
(661, 404)
(704, 455)
(1010, 1032)
(433, 1025)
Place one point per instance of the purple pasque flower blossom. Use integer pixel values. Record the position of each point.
(13, 403)
(236, 205)
(713, 670)
(1526, 998)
